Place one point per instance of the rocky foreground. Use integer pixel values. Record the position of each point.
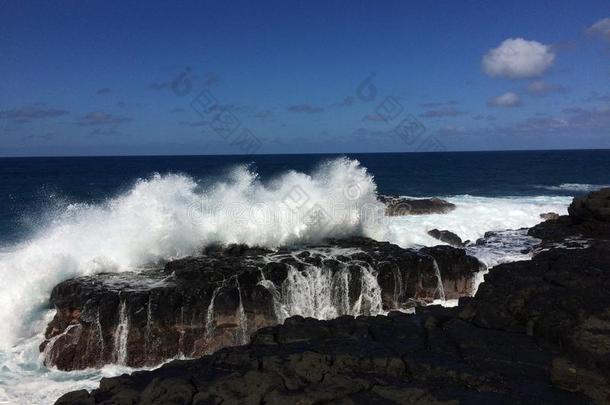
(537, 331)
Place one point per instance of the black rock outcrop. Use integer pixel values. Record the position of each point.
(447, 237)
(197, 305)
(396, 206)
(589, 217)
(536, 332)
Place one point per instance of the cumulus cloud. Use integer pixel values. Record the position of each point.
(509, 99)
(601, 27)
(517, 58)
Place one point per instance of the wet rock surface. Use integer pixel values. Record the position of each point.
(589, 217)
(536, 332)
(549, 215)
(447, 237)
(396, 206)
(197, 305)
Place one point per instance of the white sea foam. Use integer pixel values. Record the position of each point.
(571, 187)
(474, 216)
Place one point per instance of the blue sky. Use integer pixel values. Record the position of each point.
(121, 78)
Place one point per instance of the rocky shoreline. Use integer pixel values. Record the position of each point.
(537, 331)
(197, 305)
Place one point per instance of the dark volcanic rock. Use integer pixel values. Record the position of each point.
(396, 206)
(549, 215)
(560, 299)
(447, 237)
(198, 305)
(589, 217)
(458, 270)
(555, 229)
(536, 332)
(593, 207)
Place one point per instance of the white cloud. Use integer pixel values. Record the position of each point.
(518, 58)
(509, 99)
(601, 27)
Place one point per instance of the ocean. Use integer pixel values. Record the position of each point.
(64, 217)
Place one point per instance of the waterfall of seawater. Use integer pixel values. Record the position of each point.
(48, 352)
(320, 292)
(440, 288)
(369, 301)
(120, 335)
(241, 316)
(398, 285)
(100, 333)
(147, 336)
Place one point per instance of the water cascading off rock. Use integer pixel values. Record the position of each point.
(197, 305)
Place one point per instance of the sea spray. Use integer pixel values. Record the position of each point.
(171, 216)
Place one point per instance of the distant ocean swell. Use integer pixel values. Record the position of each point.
(573, 187)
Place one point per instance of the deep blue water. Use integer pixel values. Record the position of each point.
(29, 187)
